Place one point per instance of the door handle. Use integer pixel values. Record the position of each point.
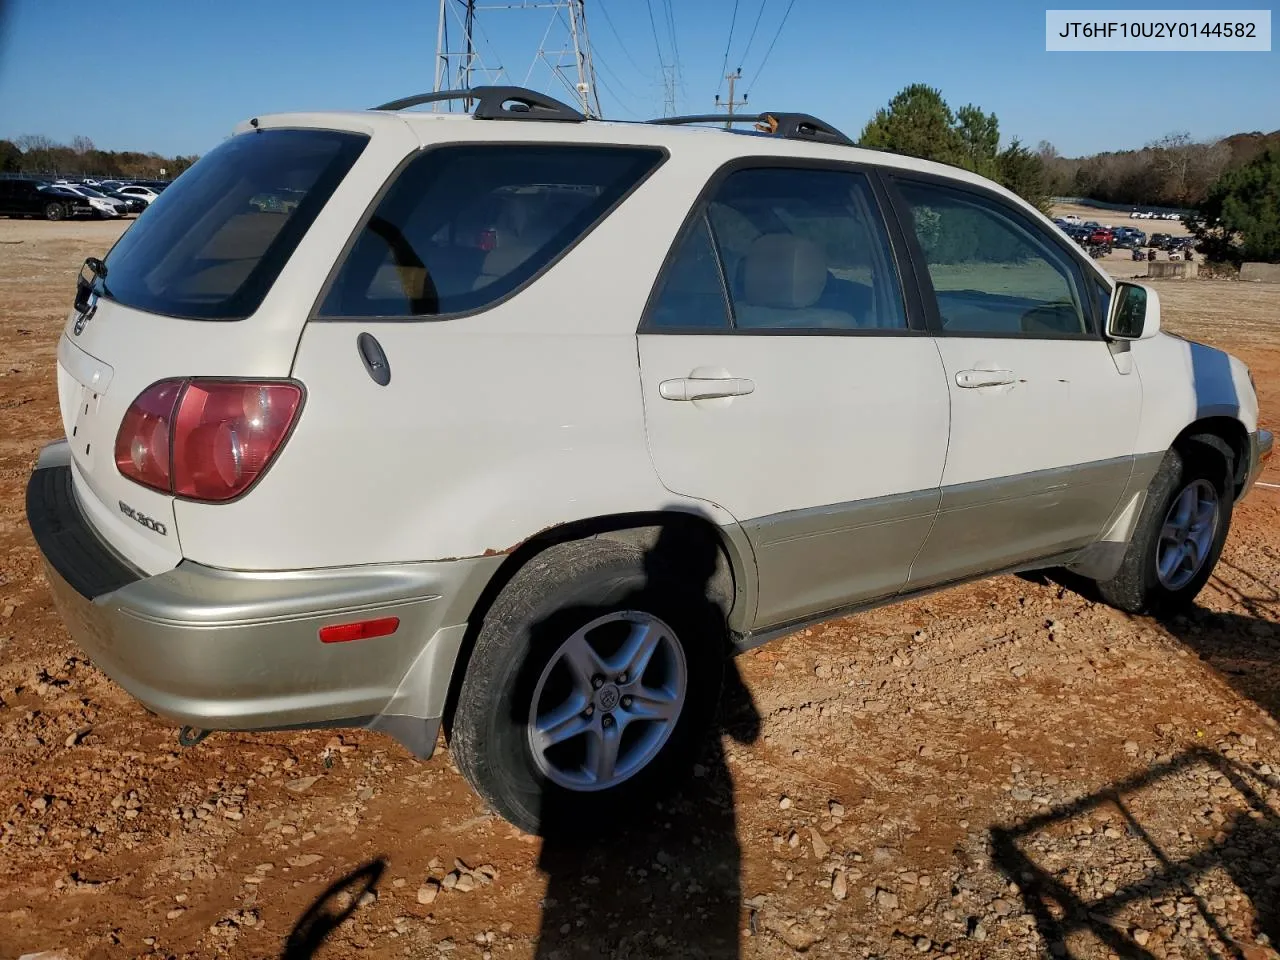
(697, 388)
(985, 378)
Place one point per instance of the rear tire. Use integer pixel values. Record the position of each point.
(526, 685)
(54, 211)
(1179, 534)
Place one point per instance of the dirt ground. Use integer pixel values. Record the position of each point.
(1003, 770)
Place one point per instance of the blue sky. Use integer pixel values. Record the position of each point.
(176, 77)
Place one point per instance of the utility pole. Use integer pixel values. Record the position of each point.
(468, 29)
(731, 103)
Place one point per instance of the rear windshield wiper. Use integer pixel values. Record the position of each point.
(84, 285)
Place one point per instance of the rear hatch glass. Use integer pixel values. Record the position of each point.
(210, 246)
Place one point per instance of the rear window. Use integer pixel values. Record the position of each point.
(465, 226)
(211, 247)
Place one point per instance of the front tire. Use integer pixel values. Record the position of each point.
(1179, 535)
(594, 679)
(54, 211)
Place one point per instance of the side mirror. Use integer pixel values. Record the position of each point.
(1134, 312)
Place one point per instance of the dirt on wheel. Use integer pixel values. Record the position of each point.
(1007, 769)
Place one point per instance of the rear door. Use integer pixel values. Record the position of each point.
(199, 287)
(784, 379)
(1044, 414)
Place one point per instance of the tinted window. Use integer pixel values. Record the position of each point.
(805, 249)
(462, 227)
(206, 250)
(691, 292)
(993, 270)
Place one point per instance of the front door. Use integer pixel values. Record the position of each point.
(1044, 415)
(783, 381)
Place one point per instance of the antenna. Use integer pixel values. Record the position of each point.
(564, 50)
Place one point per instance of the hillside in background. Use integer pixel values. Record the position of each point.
(34, 154)
(1174, 171)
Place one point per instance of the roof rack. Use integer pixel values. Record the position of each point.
(792, 126)
(498, 103)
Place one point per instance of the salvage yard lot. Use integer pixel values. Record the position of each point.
(1002, 770)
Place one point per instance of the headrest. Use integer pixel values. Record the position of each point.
(783, 270)
(505, 258)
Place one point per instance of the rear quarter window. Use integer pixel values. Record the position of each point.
(211, 247)
(465, 226)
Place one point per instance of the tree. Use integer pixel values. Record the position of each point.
(10, 157)
(1022, 171)
(1240, 218)
(917, 122)
(37, 152)
(81, 145)
(979, 136)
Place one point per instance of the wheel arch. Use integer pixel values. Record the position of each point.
(1225, 435)
(732, 586)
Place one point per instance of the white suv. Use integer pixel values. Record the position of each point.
(520, 421)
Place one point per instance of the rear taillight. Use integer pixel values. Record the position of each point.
(142, 443)
(205, 439)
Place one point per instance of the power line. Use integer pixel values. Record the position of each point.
(733, 20)
(613, 93)
(756, 26)
(617, 79)
(671, 28)
(653, 25)
(609, 20)
(760, 69)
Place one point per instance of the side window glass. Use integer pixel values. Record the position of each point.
(806, 249)
(691, 294)
(464, 226)
(994, 272)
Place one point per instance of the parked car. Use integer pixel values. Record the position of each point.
(1129, 237)
(1101, 236)
(103, 206)
(37, 198)
(133, 205)
(144, 193)
(1159, 241)
(571, 474)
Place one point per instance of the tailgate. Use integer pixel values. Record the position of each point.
(118, 354)
(215, 281)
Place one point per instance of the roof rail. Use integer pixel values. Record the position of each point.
(498, 103)
(792, 126)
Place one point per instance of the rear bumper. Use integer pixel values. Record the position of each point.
(1260, 448)
(230, 650)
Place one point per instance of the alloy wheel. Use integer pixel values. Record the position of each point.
(607, 701)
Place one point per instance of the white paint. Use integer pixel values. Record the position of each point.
(1069, 405)
(533, 413)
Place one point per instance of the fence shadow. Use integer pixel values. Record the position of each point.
(1247, 847)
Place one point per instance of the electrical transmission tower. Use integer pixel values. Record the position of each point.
(670, 80)
(564, 50)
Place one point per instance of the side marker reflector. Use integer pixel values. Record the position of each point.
(362, 630)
